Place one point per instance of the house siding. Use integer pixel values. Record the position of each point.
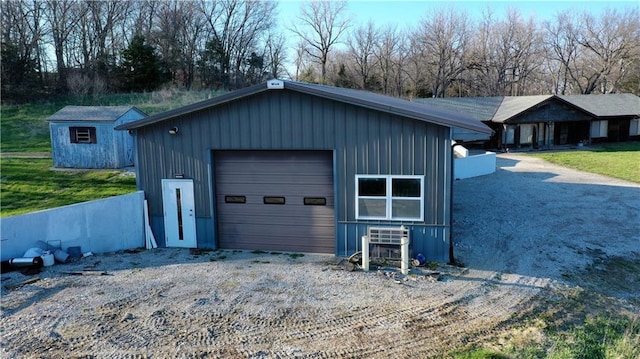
(364, 141)
(552, 110)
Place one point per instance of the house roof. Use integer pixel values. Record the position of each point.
(391, 105)
(91, 113)
(504, 108)
(624, 104)
(479, 108)
(512, 106)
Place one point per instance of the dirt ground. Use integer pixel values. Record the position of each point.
(528, 235)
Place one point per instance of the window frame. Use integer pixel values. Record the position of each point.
(389, 197)
(73, 134)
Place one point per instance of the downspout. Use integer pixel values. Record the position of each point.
(452, 260)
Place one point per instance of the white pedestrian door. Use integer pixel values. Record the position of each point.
(179, 213)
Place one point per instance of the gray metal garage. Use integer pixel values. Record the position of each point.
(275, 200)
(290, 166)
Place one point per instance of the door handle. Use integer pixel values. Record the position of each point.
(191, 212)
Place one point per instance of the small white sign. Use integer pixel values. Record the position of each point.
(275, 84)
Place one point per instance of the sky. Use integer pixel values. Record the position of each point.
(408, 13)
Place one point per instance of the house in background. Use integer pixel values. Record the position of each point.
(549, 120)
(480, 109)
(290, 166)
(614, 117)
(84, 136)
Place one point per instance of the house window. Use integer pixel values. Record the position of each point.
(634, 127)
(396, 198)
(82, 134)
(599, 128)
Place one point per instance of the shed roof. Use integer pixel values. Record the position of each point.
(609, 105)
(391, 105)
(91, 113)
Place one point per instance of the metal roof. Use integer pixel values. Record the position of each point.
(391, 105)
(623, 104)
(91, 113)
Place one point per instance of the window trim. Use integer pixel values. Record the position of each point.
(389, 197)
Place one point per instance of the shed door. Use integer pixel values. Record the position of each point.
(275, 200)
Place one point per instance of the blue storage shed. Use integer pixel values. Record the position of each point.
(290, 166)
(84, 136)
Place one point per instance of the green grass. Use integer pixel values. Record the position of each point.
(597, 337)
(621, 160)
(23, 128)
(29, 185)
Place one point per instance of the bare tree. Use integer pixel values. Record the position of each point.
(97, 46)
(611, 42)
(144, 16)
(322, 23)
(23, 58)
(443, 38)
(235, 29)
(562, 49)
(505, 55)
(594, 54)
(388, 53)
(178, 28)
(300, 60)
(275, 49)
(362, 45)
(62, 18)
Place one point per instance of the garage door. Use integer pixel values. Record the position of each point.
(275, 200)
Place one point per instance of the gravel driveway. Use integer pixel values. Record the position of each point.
(524, 233)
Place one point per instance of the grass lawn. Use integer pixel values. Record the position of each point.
(25, 129)
(29, 185)
(619, 160)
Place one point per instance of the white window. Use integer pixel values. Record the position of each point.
(634, 127)
(599, 128)
(397, 198)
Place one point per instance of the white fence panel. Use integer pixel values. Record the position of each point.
(474, 166)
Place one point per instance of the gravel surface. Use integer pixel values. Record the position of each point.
(523, 233)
